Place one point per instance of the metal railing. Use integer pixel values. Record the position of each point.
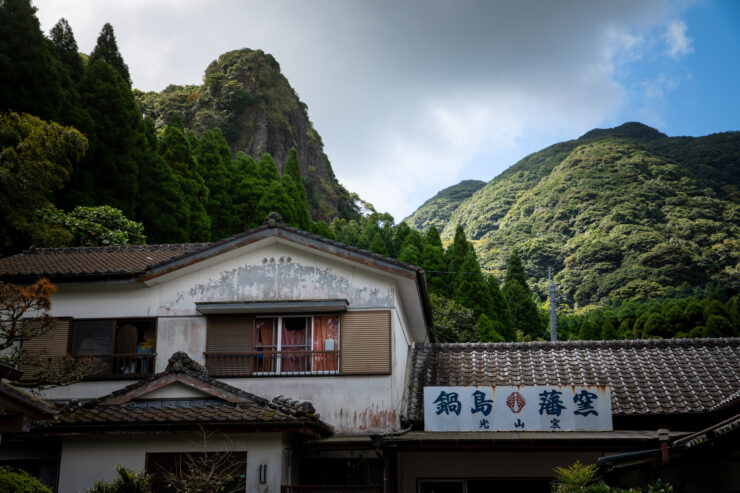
(120, 366)
(266, 363)
(331, 489)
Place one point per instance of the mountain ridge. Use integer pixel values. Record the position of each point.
(619, 213)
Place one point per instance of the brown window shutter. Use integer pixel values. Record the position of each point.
(229, 334)
(52, 344)
(366, 342)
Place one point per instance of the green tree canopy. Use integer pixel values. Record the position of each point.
(36, 158)
(106, 50)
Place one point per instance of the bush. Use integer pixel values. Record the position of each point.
(128, 481)
(17, 481)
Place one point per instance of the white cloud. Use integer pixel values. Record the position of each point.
(409, 97)
(678, 44)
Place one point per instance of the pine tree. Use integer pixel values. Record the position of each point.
(214, 163)
(299, 210)
(71, 71)
(248, 188)
(410, 254)
(470, 288)
(519, 299)
(293, 169)
(501, 309)
(267, 169)
(29, 77)
(106, 50)
(433, 262)
(175, 149)
(63, 40)
(275, 199)
(455, 256)
(488, 329)
(378, 245)
(161, 205)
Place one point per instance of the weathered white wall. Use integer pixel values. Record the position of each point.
(274, 271)
(89, 459)
(465, 465)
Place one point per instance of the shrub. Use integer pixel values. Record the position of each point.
(128, 481)
(17, 481)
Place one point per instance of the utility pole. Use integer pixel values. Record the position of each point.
(553, 307)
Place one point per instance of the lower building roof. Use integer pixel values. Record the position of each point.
(646, 377)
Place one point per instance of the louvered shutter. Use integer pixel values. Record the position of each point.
(366, 342)
(52, 344)
(229, 334)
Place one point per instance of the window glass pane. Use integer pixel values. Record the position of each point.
(326, 343)
(264, 334)
(295, 332)
(93, 336)
(265, 345)
(294, 344)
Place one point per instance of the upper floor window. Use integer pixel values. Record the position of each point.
(121, 348)
(348, 343)
(273, 345)
(125, 348)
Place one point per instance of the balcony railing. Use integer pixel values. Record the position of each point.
(266, 363)
(121, 366)
(331, 489)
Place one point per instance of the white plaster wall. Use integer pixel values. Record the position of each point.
(89, 459)
(275, 271)
(459, 465)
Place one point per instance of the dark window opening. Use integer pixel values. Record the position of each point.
(344, 472)
(124, 348)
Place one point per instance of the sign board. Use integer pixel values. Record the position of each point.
(523, 408)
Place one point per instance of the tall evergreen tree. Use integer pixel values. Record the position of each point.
(29, 77)
(299, 209)
(65, 44)
(293, 169)
(248, 188)
(71, 71)
(106, 50)
(275, 199)
(109, 172)
(175, 149)
(214, 163)
(455, 256)
(433, 262)
(268, 170)
(501, 309)
(519, 299)
(470, 288)
(161, 205)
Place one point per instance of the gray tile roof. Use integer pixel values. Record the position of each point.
(86, 262)
(646, 377)
(123, 409)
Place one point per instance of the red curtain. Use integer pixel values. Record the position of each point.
(326, 338)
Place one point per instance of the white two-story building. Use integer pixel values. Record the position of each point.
(279, 336)
(296, 364)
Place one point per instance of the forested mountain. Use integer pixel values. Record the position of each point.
(618, 214)
(82, 161)
(248, 98)
(437, 210)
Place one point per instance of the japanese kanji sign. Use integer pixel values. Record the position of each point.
(526, 408)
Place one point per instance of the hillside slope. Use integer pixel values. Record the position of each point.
(618, 214)
(248, 98)
(437, 210)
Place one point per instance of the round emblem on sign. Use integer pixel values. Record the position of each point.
(516, 402)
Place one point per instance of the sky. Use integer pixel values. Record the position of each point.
(413, 96)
